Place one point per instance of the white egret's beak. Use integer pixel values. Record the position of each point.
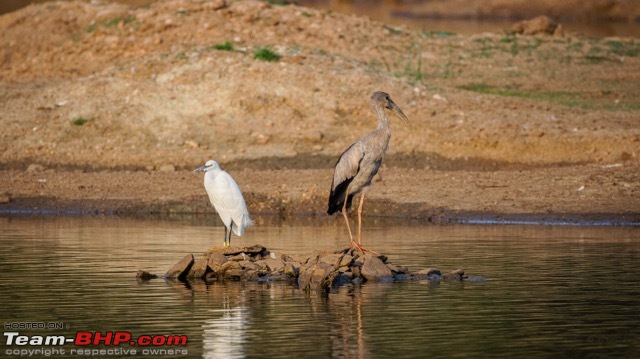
(201, 168)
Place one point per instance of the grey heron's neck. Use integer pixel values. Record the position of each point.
(383, 120)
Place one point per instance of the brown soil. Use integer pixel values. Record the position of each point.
(503, 126)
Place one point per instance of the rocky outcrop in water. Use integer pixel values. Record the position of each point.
(320, 271)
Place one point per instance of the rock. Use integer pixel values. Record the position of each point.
(199, 268)
(252, 250)
(238, 257)
(357, 272)
(273, 265)
(218, 4)
(210, 277)
(179, 270)
(429, 273)
(34, 167)
(5, 198)
(216, 258)
(227, 266)
(321, 271)
(215, 261)
(292, 269)
(358, 261)
(346, 261)
(537, 25)
(397, 269)
(249, 265)
(145, 276)
(333, 259)
(456, 275)
(234, 273)
(252, 275)
(374, 269)
(317, 276)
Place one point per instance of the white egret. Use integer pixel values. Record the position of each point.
(360, 162)
(226, 198)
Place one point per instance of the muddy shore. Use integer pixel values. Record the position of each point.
(107, 108)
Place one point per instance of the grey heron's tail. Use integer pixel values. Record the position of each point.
(337, 197)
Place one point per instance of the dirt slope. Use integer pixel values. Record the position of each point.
(110, 93)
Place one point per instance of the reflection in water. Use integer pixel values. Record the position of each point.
(552, 291)
(224, 337)
(406, 13)
(251, 320)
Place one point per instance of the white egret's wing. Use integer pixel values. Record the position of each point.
(227, 199)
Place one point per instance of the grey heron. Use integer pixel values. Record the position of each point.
(360, 162)
(226, 198)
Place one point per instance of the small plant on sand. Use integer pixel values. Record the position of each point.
(266, 54)
(79, 121)
(225, 46)
(279, 2)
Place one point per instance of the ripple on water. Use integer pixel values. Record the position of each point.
(551, 291)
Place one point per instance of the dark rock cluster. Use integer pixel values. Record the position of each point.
(320, 271)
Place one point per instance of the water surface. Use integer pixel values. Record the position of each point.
(552, 291)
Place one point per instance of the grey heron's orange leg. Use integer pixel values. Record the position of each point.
(344, 213)
(359, 244)
(360, 218)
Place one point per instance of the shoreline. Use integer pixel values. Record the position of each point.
(128, 209)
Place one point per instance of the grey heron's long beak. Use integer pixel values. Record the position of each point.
(398, 112)
(201, 168)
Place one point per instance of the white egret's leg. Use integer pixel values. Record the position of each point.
(225, 245)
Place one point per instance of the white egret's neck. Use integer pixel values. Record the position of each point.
(213, 171)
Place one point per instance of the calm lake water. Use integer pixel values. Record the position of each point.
(551, 291)
(403, 13)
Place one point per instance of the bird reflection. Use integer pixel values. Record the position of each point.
(345, 309)
(225, 337)
(266, 320)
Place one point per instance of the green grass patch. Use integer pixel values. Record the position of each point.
(225, 46)
(92, 27)
(116, 20)
(80, 121)
(392, 30)
(279, 2)
(570, 99)
(624, 48)
(266, 54)
(559, 97)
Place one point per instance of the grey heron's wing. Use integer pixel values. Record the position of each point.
(346, 169)
(348, 164)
